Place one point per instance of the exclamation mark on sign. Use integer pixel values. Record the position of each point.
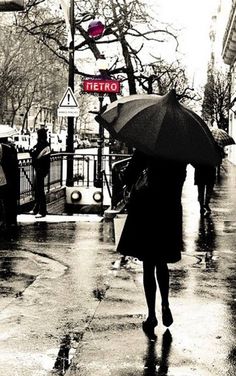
(68, 99)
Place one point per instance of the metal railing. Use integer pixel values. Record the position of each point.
(84, 173)
(117, 181)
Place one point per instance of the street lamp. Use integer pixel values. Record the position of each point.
(95, 30)
(70, 131)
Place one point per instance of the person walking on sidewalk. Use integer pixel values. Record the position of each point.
(41, 162)
(153, 228)
(204, 178)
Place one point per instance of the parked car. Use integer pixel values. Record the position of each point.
(86, 143)
(94, 143)
(56, 142)
(80, 144)
(21, 142)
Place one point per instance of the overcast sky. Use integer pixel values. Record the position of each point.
(194, 18)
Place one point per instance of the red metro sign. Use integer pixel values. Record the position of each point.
(101, 86)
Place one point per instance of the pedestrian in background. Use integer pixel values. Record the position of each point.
(153, 228)
(41, 162)
(9, 183)
(204, 178)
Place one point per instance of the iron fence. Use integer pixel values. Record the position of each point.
(84, 173)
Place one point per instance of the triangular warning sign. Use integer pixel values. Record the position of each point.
(68, 99)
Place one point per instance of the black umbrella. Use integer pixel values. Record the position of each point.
(160, 126)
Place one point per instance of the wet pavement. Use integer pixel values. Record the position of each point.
(65, 309)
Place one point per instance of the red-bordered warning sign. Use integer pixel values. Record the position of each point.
(68, 99)
(68, 105)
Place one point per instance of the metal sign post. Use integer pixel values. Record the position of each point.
(70, 132)
(99, 178)
(101, 86)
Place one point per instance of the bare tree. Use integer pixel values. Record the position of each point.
(216, 99)
(29, 76)
(130, 31)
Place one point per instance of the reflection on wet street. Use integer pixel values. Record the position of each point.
(47, 292)
(65, 308)
(154, 364)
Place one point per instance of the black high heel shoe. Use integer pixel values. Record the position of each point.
(167, 318)
(148, 328)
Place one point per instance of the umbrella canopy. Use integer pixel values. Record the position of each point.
(161, 126)
(222, 138)
(6, 131)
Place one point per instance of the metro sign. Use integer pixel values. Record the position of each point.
(101, 86)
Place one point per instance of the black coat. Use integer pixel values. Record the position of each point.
(153, 229)
(10, 192)
(41, 157)
(10, 167)
(204, 175)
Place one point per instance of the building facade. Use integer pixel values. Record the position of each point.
(229, 58)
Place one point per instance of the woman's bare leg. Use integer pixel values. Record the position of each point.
(162, 273)
(150, 286)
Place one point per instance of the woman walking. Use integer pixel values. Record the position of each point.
(153, 229)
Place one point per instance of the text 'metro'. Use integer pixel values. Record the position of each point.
(101, 86)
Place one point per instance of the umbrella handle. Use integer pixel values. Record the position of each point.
(100, 120)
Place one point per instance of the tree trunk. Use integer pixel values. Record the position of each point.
(129, 67)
